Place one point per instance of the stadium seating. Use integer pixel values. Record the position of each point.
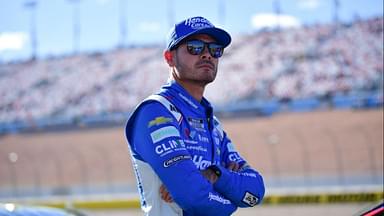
(302, 65)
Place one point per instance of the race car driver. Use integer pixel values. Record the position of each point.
(184, 162)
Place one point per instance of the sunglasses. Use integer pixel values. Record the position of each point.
(196, 47)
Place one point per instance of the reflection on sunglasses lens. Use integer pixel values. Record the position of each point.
(196, 47)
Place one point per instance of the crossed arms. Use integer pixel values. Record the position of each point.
(217, 190)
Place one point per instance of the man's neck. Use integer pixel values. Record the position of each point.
(196, 90)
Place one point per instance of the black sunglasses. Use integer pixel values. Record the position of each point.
(196, 47)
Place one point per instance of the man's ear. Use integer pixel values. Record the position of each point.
(168, 56)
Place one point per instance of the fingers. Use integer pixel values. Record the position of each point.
(206, 173)
(209, 175)
(233, 166)
(165, 195)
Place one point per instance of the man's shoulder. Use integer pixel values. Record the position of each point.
(156, 104)
(147, 111)
(147, 107)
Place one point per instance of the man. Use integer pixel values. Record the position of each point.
(183, 160)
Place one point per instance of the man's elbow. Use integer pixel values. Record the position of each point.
(196, 205)
(260, 189)
(255, 195)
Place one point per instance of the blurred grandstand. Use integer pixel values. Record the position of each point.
(330, 156)
(301, 69)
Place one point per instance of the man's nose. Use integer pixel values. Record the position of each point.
(205, 54)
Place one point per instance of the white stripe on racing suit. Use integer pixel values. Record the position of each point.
(172, 138)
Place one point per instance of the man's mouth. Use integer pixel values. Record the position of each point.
(206, 64)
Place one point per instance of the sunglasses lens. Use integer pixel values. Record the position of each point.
(195, 47)
(216, 50)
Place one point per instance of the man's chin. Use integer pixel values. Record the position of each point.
(203, 82)
(207, 81)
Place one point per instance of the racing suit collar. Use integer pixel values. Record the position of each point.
(179, 92)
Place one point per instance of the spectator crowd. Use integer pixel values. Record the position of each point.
(313, 61)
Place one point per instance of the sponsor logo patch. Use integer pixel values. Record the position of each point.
(200, 163)
(163, 133)
(192, 142)
(176, 159)
(250, 199)
(203, 138)
(253, 175)
(234, 156)
(197, 148)
(170, 146)
(198, 23)
(218, 198)
(196, 123)
(173, 108)
(190, 133)
(231, 147)
(194, 135)
(159, 120)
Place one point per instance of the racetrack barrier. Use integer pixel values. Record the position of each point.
(324, 198)
(133, 203)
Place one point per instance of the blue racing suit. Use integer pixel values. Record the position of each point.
(172, 138)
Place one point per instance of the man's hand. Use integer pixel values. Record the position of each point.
(165, 195)
(233, 166)
(209, 174)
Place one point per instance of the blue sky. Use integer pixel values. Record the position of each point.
(148, 21)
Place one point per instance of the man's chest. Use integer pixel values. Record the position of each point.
(201, 139)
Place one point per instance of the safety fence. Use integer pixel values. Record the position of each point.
(97, 162)
(129, 203)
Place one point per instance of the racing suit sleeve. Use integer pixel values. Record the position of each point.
(245, 187)
(156, 139)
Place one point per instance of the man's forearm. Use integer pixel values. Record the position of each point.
(245, 188)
